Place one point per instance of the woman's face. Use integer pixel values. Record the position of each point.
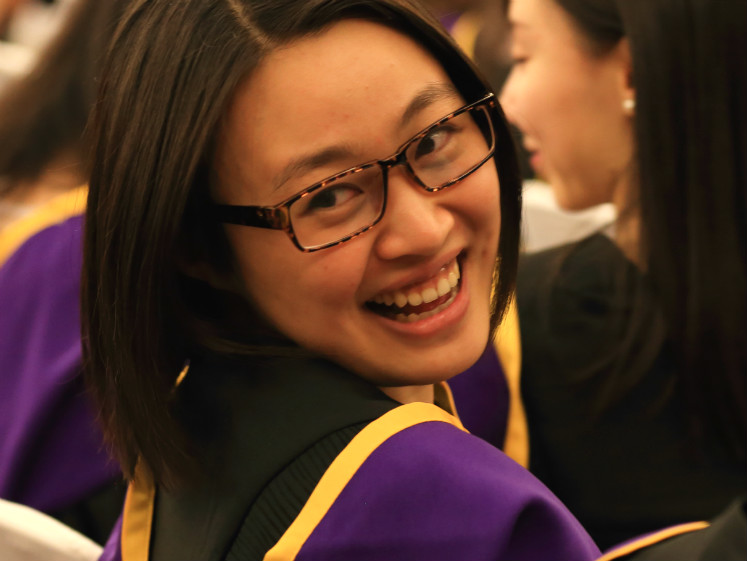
(326, 103)
(568, 104)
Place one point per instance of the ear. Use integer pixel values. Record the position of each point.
(626, 87)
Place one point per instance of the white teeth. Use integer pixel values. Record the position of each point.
(411, 318)
(443, 287)
(447, 280)
(414, 299)
(400, 299)
(429, 295)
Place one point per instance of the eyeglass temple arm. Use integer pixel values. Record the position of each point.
(257, 216)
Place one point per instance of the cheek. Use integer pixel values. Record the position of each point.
(297, 291)
(547, 103)
(483, 201)
(267, 267)
(531, 101)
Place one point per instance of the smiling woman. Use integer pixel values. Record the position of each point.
(414, 235)
(320, 219)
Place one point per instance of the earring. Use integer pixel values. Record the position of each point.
(628, 105)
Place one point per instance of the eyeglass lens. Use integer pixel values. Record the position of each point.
(353, 202)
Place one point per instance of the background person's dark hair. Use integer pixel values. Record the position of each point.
(44, 113)
(171, 71)
(690, 79)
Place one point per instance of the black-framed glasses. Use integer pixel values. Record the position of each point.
(348, 203)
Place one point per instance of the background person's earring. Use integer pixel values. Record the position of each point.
(628, 106)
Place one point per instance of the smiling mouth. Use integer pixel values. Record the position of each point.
(422, 301)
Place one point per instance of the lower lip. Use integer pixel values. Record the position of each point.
(444, 320)
(536, 162)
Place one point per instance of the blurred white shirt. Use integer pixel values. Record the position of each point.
(545, 224)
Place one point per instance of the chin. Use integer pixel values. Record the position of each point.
(441, 366)
(567, 202)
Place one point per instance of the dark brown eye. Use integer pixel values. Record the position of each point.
(331, 197)
(436, 140)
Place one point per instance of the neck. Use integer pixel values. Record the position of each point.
(410, 394)
(627, 236)
(628, 224)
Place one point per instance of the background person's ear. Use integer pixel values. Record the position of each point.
(625, 81)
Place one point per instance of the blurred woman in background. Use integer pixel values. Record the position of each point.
(635, 339)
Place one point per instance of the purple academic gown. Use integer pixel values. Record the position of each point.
(481, 396)
(410, 500)
(51, 452)
(419, 505)
(426, 489)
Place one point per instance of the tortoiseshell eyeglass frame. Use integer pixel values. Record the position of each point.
(277, 217)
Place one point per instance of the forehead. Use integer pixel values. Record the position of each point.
(348, 85)
(539, 20)
(345, 64)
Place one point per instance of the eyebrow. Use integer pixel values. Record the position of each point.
(426, 97)
(429, 95)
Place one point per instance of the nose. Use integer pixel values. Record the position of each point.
(507, 97)
(416, 222)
